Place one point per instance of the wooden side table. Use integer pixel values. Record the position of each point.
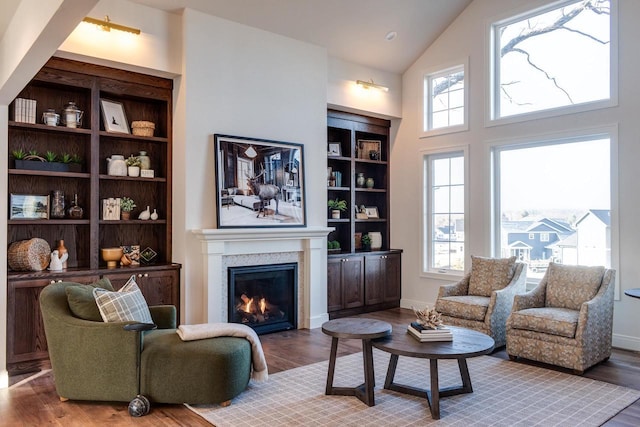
(355, 328)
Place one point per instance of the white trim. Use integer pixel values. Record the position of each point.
(490, 118)
(605, 131)
(426, 100)
(423, 270)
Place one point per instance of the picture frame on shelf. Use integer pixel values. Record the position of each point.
(368, 146)
(334, 150)
(115, 120)
(372, 212)
(29, 206)
(261, 172)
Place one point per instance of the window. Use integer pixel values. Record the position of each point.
(445, 99)
(444, 212)
(532, 236)
(562, 191)
(555, 57)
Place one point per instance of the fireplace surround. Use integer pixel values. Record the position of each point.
(224, 248)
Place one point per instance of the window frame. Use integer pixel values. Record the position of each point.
(426, 130)
(425, 223)
(569, 136)
(491, 108)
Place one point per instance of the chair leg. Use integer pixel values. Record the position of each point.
(225, 403)
(512, 357)
(63, 399)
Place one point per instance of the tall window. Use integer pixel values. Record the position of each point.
(554, 57)
(559, 191)
(444, 101)
(444, 212)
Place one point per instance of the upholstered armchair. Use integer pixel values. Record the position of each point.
(96, 360)
(482, 300)
(566, 320)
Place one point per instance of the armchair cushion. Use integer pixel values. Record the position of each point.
(470, 307)
(490, 274)
(552, 321)
(568, 286)
(81, 301)
(127, 304)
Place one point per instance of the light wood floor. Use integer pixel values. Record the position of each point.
(35, 403)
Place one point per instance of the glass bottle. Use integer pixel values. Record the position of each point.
(145, 161)
(360, 180)
(71, 115)
(74, 210)
(370, 183)
(57, 204)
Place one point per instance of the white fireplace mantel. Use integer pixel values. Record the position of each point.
(309, 241)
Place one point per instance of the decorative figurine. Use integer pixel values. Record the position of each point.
(56, 262)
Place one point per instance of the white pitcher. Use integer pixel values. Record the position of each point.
(116, 165)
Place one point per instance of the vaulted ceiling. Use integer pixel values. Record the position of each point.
(354, 30)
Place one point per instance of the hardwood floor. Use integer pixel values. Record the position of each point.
(36, 403)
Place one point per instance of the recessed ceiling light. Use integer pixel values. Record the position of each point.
(390, 35)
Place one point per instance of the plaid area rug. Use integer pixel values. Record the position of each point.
(504, 394)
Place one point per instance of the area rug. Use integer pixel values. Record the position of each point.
(505, 393)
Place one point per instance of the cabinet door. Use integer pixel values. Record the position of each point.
(334, 284)
(375, 278)
(158, 287)
(353, 281)
(26, 341)
(393, 286)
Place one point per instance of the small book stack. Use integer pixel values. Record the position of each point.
(24, 110)
(423, 334)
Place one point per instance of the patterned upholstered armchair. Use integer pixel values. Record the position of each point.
(566, 320)
(482, 300)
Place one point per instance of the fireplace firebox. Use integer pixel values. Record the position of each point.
(264, 297)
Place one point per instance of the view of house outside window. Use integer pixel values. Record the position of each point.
(554, 201)
(445, 211)
(552, 58)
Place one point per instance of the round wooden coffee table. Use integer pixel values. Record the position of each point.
(466, 343)
(355, 328)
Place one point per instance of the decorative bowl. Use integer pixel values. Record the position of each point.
(111, 256)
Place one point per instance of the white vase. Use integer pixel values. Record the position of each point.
(154, 215)
(133, 170)
(146, 214)
(335, 214)
(144, 160)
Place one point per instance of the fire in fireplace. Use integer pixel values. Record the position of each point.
(264, 297)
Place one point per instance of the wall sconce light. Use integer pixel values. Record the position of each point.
(370, 84)
(250, 152)
(107, 25)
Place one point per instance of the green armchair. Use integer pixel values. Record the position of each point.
(97, 361)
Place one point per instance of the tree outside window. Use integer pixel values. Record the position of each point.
(552, 58)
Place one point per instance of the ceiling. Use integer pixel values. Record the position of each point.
(353, 30)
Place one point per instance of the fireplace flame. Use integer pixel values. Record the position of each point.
(263, 305)
(247, 307)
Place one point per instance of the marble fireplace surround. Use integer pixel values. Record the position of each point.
(224, 248)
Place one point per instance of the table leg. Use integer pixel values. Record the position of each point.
(332, 365)
(434, 402)
(466, 378)
(369, 375)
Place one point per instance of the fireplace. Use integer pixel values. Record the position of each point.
(264, 297)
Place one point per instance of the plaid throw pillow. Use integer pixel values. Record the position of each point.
(128, 304)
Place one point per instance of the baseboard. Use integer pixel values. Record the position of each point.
(317, 321)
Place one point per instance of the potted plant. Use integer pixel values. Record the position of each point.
(133, 166)
(333, 246)
(336, 206)
(126, 206)
(366, 242)
(50, 161)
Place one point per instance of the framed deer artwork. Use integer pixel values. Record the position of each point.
(259, 183)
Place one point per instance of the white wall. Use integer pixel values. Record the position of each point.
(467, 37)
(343, 93)
(242, 81)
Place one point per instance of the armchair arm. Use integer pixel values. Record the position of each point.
(532, 299)
(455, 289)
(502, 300)
(164, 316)
(595, 321)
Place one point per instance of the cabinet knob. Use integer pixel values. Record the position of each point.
(59, 280)
(139, 274)
(146, 274)
(52, 282)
